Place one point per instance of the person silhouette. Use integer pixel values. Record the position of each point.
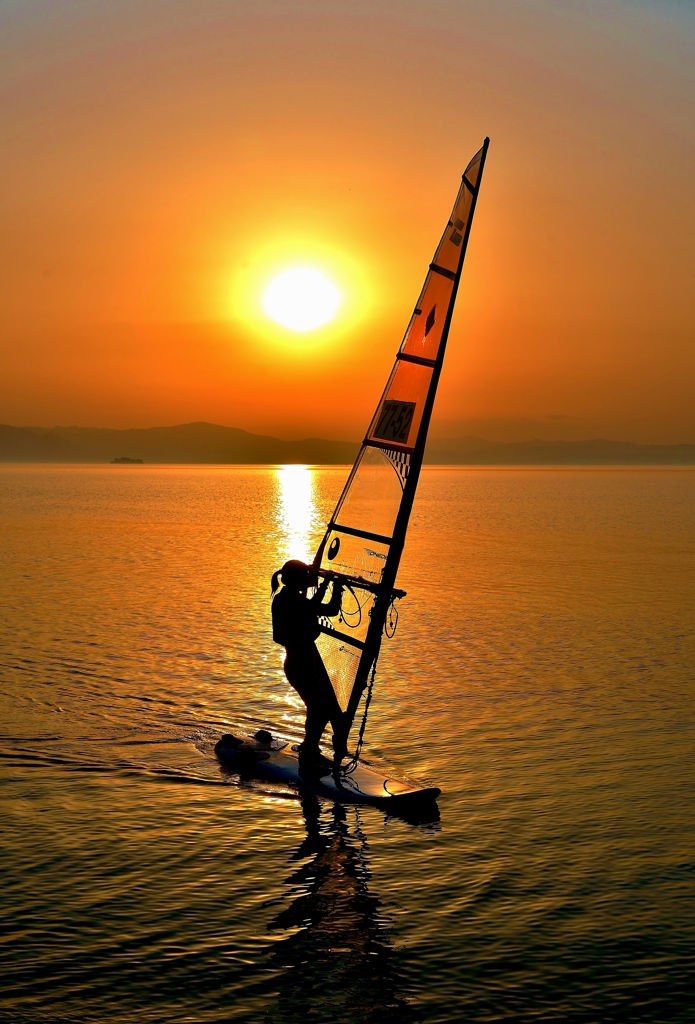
(296, 627)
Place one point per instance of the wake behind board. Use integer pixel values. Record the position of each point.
(275, 760)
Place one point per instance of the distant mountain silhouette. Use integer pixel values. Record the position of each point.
(597, 452)
(21, 444)
(208, 443)
(187, 443)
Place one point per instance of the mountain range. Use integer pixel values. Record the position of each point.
(209, 443)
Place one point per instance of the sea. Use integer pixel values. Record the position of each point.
(542, 676)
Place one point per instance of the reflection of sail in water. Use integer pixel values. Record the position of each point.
(296, 511)
(339, 966)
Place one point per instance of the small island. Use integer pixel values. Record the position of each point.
(124, 458)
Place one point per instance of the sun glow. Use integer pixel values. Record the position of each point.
(295, 296)
(301, 299)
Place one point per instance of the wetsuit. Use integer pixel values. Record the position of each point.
(296, 627)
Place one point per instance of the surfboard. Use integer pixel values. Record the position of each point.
(276, 760)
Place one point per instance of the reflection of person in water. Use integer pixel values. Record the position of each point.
(296, 627)
(338, 959)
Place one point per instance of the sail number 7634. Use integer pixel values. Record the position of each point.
(394, 422)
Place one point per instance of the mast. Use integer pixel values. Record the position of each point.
(384, 598)
(374, 550)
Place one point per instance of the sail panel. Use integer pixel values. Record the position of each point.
(341, 661)
(448, 252)
(398, 415)
(355, 557)
(373, 495)
(472, 172)
(425, 329)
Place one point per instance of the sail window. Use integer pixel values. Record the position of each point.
(373, 496)
(455, 237)
(357, 558)
(333, 549)
(431, 317)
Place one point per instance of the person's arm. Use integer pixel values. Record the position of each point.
(331, 607)
(320, 592)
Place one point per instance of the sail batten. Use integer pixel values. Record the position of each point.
(410, 358)
(364, 539)
(360, 533)
(443, 271)
(402, 449)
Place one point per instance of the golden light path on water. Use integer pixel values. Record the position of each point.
(296, 511)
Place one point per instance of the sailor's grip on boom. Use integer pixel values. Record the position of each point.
(358, 581)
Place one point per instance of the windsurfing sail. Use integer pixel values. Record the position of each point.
(364, 539)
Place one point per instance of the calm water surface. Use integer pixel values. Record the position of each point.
(542, 675)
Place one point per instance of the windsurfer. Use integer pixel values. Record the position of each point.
(296, 627)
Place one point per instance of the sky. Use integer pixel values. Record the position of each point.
(167, 159)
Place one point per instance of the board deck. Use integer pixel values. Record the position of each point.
(277, 761)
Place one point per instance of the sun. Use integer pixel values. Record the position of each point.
(301, 299)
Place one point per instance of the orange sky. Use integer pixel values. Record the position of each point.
(164, 158)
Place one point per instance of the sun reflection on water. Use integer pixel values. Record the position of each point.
(296, 512)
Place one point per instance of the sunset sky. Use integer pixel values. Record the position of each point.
(165, 160)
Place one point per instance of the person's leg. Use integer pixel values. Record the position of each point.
(316, 722)
(302, 678)
(340, 732)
